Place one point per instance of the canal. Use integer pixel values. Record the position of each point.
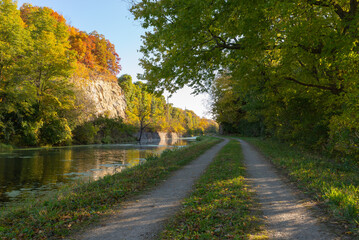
(35, 172)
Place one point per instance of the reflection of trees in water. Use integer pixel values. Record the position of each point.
(125, 158)
(33, 170)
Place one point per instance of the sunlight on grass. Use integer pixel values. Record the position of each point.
(221, 206)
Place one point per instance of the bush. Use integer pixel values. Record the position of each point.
(107, 140)
(344, 134)
(85, 134)
(30, 133)
(103, 130)
(201, 138)
(55, 131)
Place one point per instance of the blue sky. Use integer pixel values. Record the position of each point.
(113, 19)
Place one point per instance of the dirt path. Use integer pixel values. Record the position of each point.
(286, 217)
(143, 218)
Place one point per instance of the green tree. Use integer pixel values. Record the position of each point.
(51, 63)
(139, 103)
(15, 98)
(143, 112)
(226, 106)
(294, 62)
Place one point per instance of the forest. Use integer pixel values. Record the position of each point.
(42, 59)
(281, 69)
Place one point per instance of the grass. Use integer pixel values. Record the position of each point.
(221, 206)
(72, 208)
(332, 182)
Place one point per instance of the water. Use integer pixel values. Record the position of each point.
(36, 172)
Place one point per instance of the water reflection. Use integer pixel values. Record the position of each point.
(26, 172)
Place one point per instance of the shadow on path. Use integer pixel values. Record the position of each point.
(286, 217)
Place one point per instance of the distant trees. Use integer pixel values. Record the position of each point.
(150, 111)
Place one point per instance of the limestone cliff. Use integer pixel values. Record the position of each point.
(103, 98)
(151, 136)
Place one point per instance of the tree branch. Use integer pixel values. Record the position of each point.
(314, 50)
(221, 43)
(331, 88)
(337, 8)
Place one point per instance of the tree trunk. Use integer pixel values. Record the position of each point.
(141, 130)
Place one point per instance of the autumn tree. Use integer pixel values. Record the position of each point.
(95, 54)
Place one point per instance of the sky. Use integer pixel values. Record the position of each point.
(113, 19)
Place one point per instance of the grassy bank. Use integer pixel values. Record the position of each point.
(333, 182)
(71, 208)
(5, 148)
(220, 206)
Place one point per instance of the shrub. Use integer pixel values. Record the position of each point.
(103, 130)
(55, 131)
(85, 134)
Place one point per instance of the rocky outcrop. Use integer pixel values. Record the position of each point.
(152, 136)
(106, 98)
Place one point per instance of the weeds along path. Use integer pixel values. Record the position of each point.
(285, 217)
(143, 217)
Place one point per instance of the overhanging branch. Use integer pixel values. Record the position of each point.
(221, 43)
(330, 88)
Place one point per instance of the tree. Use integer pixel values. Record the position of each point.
(139, 103)
(95, 54)
(37, 59)
(226, 106)
(143, 112)
(294, 62)
(51, 64)
(192, 39)
(14, 43)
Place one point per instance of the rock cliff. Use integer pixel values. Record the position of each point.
(104, 98)
(151, 136)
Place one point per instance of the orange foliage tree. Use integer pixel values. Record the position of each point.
(94, 53)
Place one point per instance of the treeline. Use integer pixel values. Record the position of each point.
(150, 112)
(42, 59)
(286, 69)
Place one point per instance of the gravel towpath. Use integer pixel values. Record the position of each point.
(285, 216)
(143, 217)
